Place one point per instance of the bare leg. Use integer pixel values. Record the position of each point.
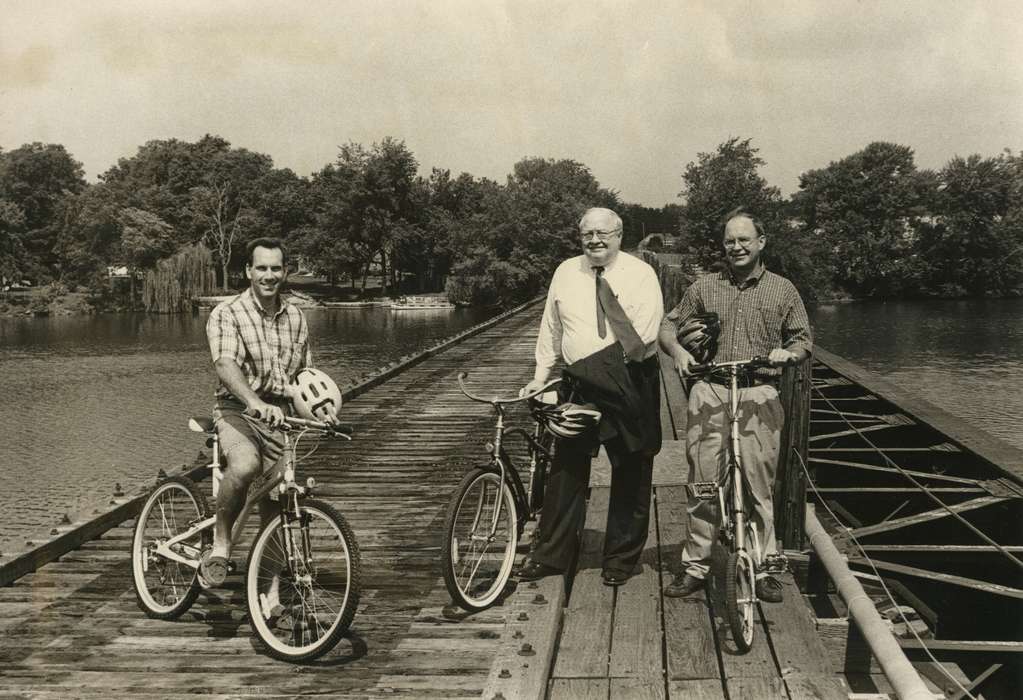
(243, 467)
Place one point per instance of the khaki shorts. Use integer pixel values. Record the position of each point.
(240, 434)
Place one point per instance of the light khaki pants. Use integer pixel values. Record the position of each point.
(760, 420)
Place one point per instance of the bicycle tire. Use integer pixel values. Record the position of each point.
(740, 599)
(164, 588)
(313, 598)
(472, 507)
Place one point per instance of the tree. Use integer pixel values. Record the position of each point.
(867, 207)
(714, 185)
(508, 251)
(12, 252)
(35, 179)
(360, 199)
(973, 245)
(145, 239)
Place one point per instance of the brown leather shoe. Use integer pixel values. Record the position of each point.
(684, 585)
(535, 570)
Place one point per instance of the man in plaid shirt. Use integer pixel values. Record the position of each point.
(761, 314)
(259, 342)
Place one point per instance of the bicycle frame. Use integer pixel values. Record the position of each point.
(525, 496)
(277, 477)
(502, 462)
(735, 475)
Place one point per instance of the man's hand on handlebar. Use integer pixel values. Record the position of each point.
(683, 360)
(532, 387)
(779, 357)
(272, 415)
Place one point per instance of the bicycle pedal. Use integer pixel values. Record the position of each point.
(702, 490)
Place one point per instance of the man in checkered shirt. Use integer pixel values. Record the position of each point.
(259, 342)
(761, 314)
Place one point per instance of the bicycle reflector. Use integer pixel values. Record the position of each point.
(315, 395)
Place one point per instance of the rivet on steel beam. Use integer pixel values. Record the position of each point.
(523, 616)
(505, 673)
(518, 634)
(526, 650)
(539, 599)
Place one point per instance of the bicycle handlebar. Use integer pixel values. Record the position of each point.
(295, 423)
(738, 365)
(501, 402)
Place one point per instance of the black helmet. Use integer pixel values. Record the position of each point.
(571, 420)
(699, 336)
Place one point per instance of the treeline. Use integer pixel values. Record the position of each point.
(869, 225)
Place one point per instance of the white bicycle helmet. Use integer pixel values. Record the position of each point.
(314, 395)
(570, 420)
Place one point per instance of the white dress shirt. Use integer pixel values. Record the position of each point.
(569, 325)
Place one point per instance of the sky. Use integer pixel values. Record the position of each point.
(633, 90)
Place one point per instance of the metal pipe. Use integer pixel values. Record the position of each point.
(900, 672)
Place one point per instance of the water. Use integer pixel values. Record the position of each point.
(964, 356)
(90, 402)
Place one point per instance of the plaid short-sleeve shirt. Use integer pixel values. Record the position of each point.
(762, 313)
(269, 349)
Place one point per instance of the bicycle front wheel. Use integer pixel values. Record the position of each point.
(481, 532)
(166, 587)
(303, 582)
(741, 599)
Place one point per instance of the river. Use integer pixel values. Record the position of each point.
(96, 401)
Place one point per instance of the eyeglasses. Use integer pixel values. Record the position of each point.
(602, 235)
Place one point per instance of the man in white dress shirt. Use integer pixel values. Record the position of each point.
(603, 311)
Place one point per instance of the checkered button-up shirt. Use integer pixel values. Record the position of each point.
(269, 349)
(762, 313)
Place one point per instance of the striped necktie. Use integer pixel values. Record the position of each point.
(609, 310)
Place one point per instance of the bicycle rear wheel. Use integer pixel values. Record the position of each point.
(481, 533)
(165, 588)
(303, 582)
(740, 599)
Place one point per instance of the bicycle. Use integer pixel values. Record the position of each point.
(303, 570)
(490, 508)
(737, 531)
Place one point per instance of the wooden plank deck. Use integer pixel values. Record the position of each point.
(72, 629)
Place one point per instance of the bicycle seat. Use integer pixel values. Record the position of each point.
(201, 424)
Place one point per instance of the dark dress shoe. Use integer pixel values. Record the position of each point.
(769, 590)
(684, 585)
(535, 570)
(614, 578)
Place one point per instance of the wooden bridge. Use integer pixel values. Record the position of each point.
(71, 628)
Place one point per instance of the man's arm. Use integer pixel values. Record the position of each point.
(650, 310)
(548, 342)
(795, 334)
(668, 335)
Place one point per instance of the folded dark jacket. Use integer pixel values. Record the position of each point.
(627, 394)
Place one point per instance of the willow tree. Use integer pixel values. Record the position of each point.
(177, 280)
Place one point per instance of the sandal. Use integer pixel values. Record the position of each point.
(213, 570)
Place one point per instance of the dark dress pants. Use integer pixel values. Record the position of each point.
(564, 507)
